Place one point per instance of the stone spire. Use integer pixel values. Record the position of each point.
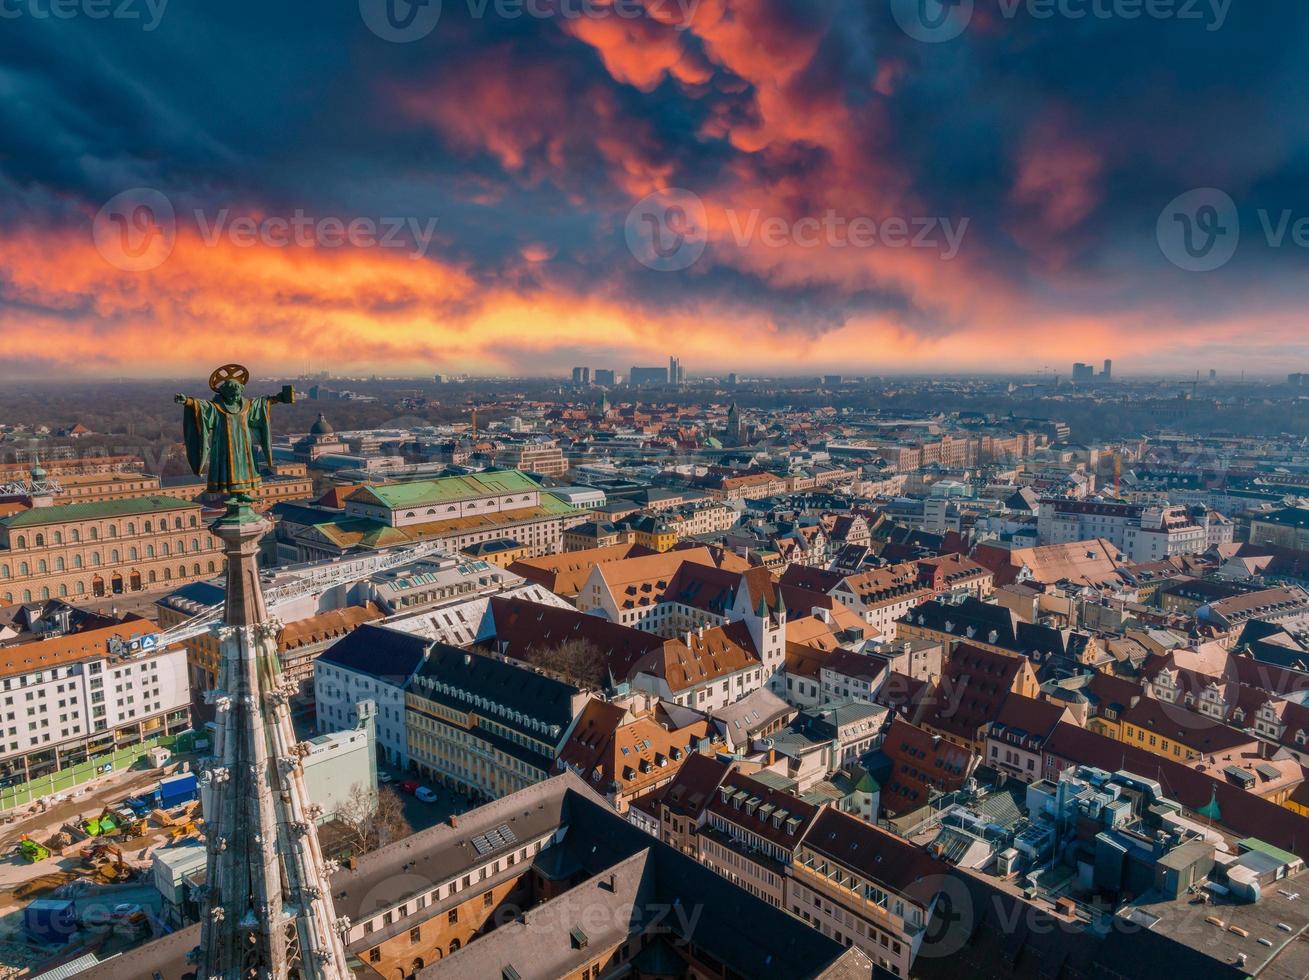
(267, 905)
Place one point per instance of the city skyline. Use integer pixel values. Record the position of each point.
(831, 191)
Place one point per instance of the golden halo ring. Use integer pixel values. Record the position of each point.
(229, 372)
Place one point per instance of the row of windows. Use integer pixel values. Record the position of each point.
(135, 582)
(93, 533)
(133, 554)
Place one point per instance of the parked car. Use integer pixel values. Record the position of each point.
(409, 786)
(125, 910)
(425, 794)
(385, 777)
(137, 805)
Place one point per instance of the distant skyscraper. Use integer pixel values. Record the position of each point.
(833, 380)
(643, 376)
(675, 375)
(581, 375)
(731, 379)
(1083, 372)
(605, 377)
(1108, 371)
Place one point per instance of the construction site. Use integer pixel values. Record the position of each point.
(77, 875)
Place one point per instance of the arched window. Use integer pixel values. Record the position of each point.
(163, 548)
(193, 520)
(168, 575)
(153, 576)
(195, 544)
(114, 557)
(81, 588)
(113, 530)
(75, 535)
(149, 528)
(150, 550)
(95, 534)
(40, 540)
(59, 564)
(77, 561)
(22, 568)
(95, 558)
(22, 541)
(63, 591)
(177, 523)
(4, 571)
(41, 567)
(212, 567)
(59, 537)
(45, 593)
(27, 595)
(195, 569)
(132, 553)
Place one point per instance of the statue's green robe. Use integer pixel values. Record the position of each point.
(223, 439)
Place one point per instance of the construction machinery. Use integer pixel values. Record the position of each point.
(32, 850)
(181, 830)
(106, 861)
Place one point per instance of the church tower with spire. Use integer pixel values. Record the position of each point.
(267, 906)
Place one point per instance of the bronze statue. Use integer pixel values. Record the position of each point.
(221, 434)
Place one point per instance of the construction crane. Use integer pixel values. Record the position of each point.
(282, 595)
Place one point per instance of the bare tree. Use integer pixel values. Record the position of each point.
(373, 820)
(580, 661)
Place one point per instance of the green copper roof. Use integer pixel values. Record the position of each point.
(39, 516)
(1255, 844)
(1211, 809)
(421, 493)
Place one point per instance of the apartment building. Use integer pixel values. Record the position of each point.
(74, 686)
(485, 726)
(862, 886)
(457, 511)
(372, 663)
(106, 548)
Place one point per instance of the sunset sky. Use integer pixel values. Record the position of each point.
(510, 152)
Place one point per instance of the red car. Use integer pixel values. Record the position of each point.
(409, 786)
